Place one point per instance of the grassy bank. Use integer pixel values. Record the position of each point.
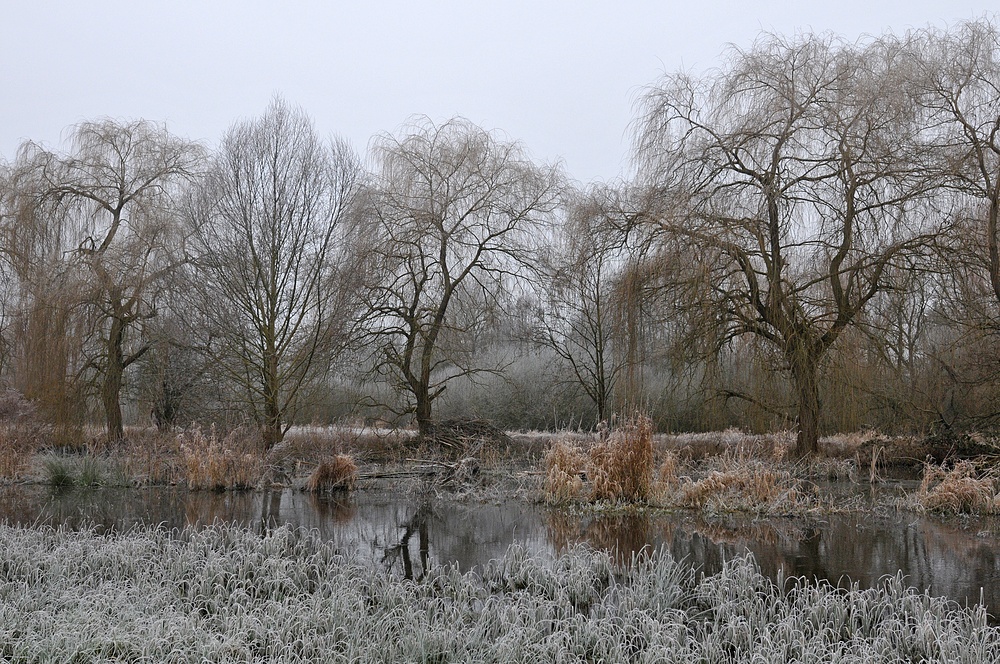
(224, 594)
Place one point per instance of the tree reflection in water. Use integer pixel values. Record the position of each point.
(401, 552)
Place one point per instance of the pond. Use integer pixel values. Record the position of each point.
(405, 535)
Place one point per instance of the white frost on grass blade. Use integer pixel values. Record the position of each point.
(226, 594)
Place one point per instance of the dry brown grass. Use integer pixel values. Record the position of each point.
(564, 463)
(621, 466)
(743, 483)
(338, 473)
(667, 475)
(697, 446)
(232, 462)
(961, 490)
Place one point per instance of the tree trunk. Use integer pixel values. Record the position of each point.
(805, 370)
(422, 409)
(113, 377)
(272, 431)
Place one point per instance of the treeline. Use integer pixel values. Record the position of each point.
(808, 238)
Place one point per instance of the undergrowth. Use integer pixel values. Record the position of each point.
(225, 594)
(620, 468)
(21, 434)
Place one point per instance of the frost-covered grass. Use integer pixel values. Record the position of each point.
(225, 594)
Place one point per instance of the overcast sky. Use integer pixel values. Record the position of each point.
(562, 77)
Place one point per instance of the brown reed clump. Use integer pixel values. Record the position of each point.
(211, 463)
(565, 464)
(743, 484)
(621, 466)
(18, 444)
(338, 473)
(669, 467)
(960, 490)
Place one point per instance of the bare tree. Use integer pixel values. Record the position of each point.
(959, 87)
(582, 273)
(453, 217)
(104, 214)
(267, 231)
(791, 182)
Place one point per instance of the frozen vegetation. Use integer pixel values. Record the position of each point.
(226, 594)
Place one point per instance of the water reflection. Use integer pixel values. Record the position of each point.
(407, 535)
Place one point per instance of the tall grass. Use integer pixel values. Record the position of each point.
(619, 466)
(61, 470)
(338, 473)
(21, 434)
(225, 594)
(565, 465)
(961, 490)
(216, 463)
(742, 482)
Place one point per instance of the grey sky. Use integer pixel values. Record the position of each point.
(560, 76)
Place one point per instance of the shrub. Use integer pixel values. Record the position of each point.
(338, 473)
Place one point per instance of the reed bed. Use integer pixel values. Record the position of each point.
(226, 594)
(961, 490)
(337, 473)
(565, 467)
(739, 481)
(619, 466)
(217, 463)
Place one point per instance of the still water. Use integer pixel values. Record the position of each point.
(406, 535)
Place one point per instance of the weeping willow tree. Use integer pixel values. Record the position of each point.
(455, 216)
(103, 233)
(792, 182)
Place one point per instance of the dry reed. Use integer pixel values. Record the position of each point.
(338, 473)
(621, 466)
(215, 464)
(565, 463)
(961, 490)
(743, 483)
(21, 435)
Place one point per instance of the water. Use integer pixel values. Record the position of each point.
(406, 535)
